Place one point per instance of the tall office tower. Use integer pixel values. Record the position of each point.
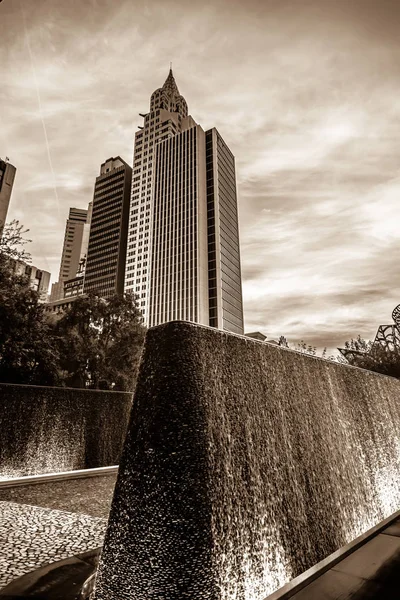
(85, 237)
(71, 252)
(179, 257)
(167, 111)
(224, 274)
(183, 248)
(105, 264)
(7, 176)
(73, 286)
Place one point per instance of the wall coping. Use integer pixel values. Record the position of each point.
(59, 387)
(61, 476)
(194, 325)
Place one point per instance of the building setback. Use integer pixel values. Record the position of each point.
(7, 176)
(106, 256)
(183, 258)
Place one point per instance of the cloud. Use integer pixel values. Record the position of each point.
(306, 96)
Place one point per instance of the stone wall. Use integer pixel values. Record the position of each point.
(244, 465)
(48, 429)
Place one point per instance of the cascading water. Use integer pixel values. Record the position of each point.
(244, 465)
(46, 429)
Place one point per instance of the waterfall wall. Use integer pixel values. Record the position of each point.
(244, 465)
(48, 429)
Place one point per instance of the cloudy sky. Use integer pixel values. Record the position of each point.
(305, 92)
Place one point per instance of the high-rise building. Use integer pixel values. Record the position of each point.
(85, 237)
(179, 256)
(39, 280)
(224, 274)
(7, 176)
(71, 252)
(106, 255)
(73, 287)
(167, 111)
(183, 258)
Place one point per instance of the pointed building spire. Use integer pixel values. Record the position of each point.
(170, 84)
(169, 98)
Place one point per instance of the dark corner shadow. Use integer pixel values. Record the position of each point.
(61, 580)
(385, 584)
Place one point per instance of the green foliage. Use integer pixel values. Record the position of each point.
(358, 344)
(100, 342)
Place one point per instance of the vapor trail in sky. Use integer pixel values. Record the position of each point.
(40, 109)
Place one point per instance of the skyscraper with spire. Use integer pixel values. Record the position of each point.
(183, 259)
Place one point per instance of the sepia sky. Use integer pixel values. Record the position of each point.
(305, 92)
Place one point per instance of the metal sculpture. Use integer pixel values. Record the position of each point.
(396, 315)
(388, 336)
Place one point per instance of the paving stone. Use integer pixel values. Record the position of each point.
(393, 529)
(367, 560)
(332, 585)
(31, 537)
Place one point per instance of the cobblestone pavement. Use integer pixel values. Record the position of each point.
(87, 495)
(31, 537)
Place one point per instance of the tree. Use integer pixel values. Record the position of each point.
(359, 345)
(305, 349)
(12, 242)
(375, 357)
(26, 352)
(283, 342)
(96, 343)
(100, 342)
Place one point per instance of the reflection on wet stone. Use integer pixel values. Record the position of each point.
(32, 536)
